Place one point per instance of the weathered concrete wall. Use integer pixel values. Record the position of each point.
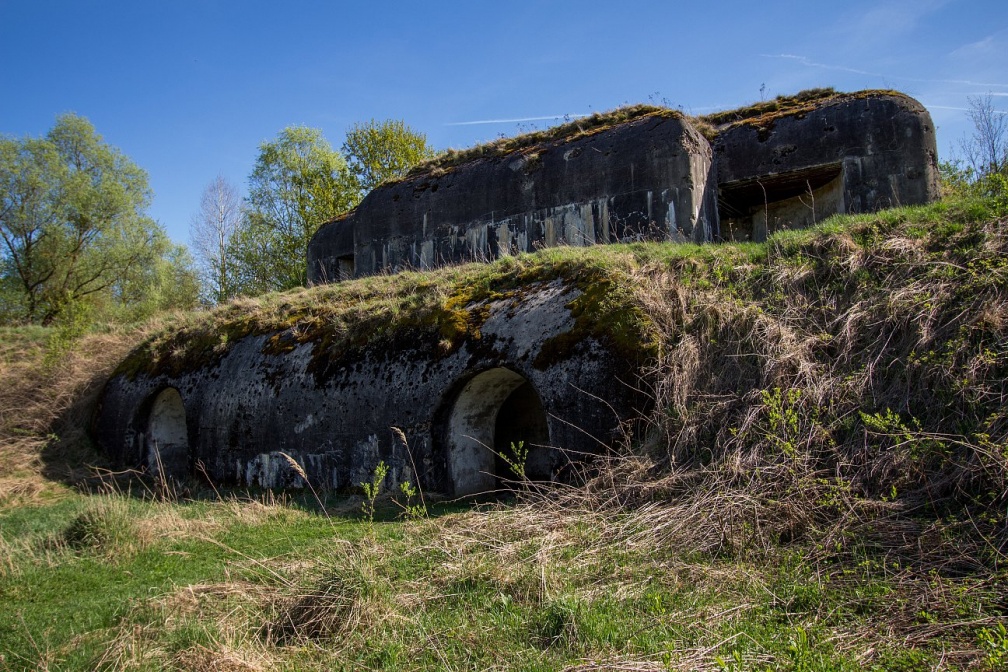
(534, 371)
(649, 179)
(851, 153)
(653, 178)
(333, 412)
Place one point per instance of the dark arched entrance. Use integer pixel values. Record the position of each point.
(494, 410)
(166, 439)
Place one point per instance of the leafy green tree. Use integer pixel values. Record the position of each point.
(253, 251)
(73, 223)
(298, 183)
(381, 150)
(170, 281)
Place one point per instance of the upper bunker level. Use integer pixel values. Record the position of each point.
(654, 176)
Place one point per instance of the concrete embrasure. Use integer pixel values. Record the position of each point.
(166, 441)
(474, 425)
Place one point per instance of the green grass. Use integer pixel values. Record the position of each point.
(65, 595)
(820, 484)
(525, 585)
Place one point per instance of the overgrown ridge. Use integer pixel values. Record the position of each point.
(821, 484)
(760, 115)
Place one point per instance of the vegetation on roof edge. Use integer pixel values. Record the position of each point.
(447, 304)
(760, 114)
(780, 104)
(570, 130)
(764, 113)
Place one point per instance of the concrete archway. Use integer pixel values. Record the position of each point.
(493, 410)
(166, 439)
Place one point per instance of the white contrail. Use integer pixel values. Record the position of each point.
(513, 121)
(805, 61)
(960, 109)
(812, 64)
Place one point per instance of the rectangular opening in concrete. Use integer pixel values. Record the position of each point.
(345, 266)
(752, 209)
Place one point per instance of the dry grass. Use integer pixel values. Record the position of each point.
(827, 453)
(222, 611)
(566, 132)
(45, 408)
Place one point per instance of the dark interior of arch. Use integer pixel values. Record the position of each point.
(494, 409)
(521, 418)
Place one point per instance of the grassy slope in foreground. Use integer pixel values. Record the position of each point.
(822, 485)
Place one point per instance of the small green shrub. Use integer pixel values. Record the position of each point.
(372, 489)
(516, 459)
(411, 507)
(994, 642)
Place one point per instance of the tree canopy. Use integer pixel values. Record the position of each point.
(74, 228)
(298, 183)
(381, 150)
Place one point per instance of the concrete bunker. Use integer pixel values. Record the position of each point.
(166, 436)
(643, 174)
(327, 396)
(647, 177)
(329, 402)
(492, 411)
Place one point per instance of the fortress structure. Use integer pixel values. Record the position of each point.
(644, 174)
(545, 364)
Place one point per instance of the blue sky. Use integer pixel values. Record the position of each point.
(189, 89)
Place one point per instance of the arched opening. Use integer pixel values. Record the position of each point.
(495, 410)
(166, 441)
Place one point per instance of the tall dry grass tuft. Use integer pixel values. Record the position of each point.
(45, 406)
(343, 600)
(878, 357)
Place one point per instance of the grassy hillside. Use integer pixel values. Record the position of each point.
(822, 483)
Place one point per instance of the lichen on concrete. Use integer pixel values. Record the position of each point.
(302, 379)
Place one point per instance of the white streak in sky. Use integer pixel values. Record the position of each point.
(960, 109)
(805, 61)
(812, 64)
(513, 121)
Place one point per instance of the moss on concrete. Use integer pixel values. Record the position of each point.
(436, 312)
(763, 115)
(528, 143)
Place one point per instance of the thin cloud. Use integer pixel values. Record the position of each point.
(984, 46)
(898, 16)
(956, 94)
(960, 109)
(991, 47)
(812, 64)
(513, 121)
